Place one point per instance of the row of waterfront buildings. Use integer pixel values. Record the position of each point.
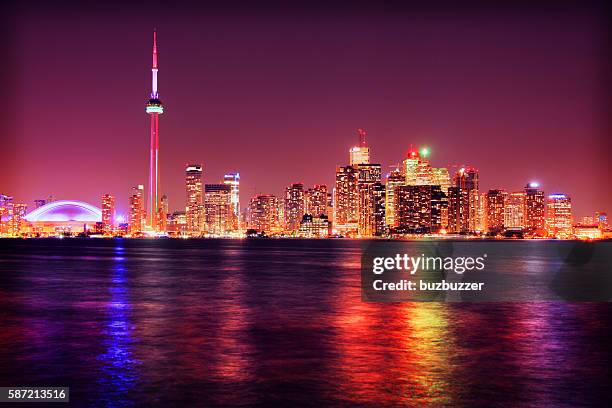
(414, 199)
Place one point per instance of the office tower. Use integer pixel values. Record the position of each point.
(194, 208)
(218, 208)
(368, 176)
(108, 214)
(534, 210)
(419, 209)
(424, 172)
(395, 179)
(410, 167)
(154, 108)
(464, 200)
(316, 200)
(360, 154)
(17, 221)
(441, 178)
(6, 209)
(163, 213)
(294, 207)
(496, 200)
(482, 213)
(263, 214)
(514, 211)
(346, 200)
(233, 180)
(559, 216)
(136, 221)
(379, 196)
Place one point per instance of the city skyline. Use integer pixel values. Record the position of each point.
(271, 161)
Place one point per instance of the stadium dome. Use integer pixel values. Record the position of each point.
(66, 211)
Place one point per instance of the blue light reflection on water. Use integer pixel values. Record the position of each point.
(119, 367)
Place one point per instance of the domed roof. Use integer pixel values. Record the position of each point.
(65, 210)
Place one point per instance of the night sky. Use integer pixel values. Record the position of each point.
(277, 94)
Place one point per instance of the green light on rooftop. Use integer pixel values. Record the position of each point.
(425, 152)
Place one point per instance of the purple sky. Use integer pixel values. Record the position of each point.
(278, 95)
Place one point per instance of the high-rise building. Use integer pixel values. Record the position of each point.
(368, 176)
(263, 214)
(424, 172)
(441, 178)
(496, 211)
(379, 201)
(559, 216)
(316, 200)
(294, 207)
(218, 209)
(419, 209)
(6, 210)
(360, 154)
(514, 211)
(464, 200)
(17, 221)
(233, 180)
(410, 167)
(346, 200)
(395, 179)
(108, 214)
(154, 108)
(534, 210)
(163, 213)
(136, 221)
(194, 210)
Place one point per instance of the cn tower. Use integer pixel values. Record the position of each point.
(154, 109)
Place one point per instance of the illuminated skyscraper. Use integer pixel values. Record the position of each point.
(233, 180)
(194, 208)
(218, 208)
(154, 109)
(316, 200)
(424, 172)
(346, 200)
(534, 210)
(410, 167)
(367, 180)
(395, 179)
(464, 200)
(441, 178)
(263, 214)
(108, 214)
(294, 207)
(559, 216)
(17, 221)
(136, 220)
(419, 209)
(496, 201)
(360, 154)
(514, 215)
(6, 210)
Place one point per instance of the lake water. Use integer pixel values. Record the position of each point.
(260, 322)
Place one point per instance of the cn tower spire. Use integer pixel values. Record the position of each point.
(154, 94)
(154, 109)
